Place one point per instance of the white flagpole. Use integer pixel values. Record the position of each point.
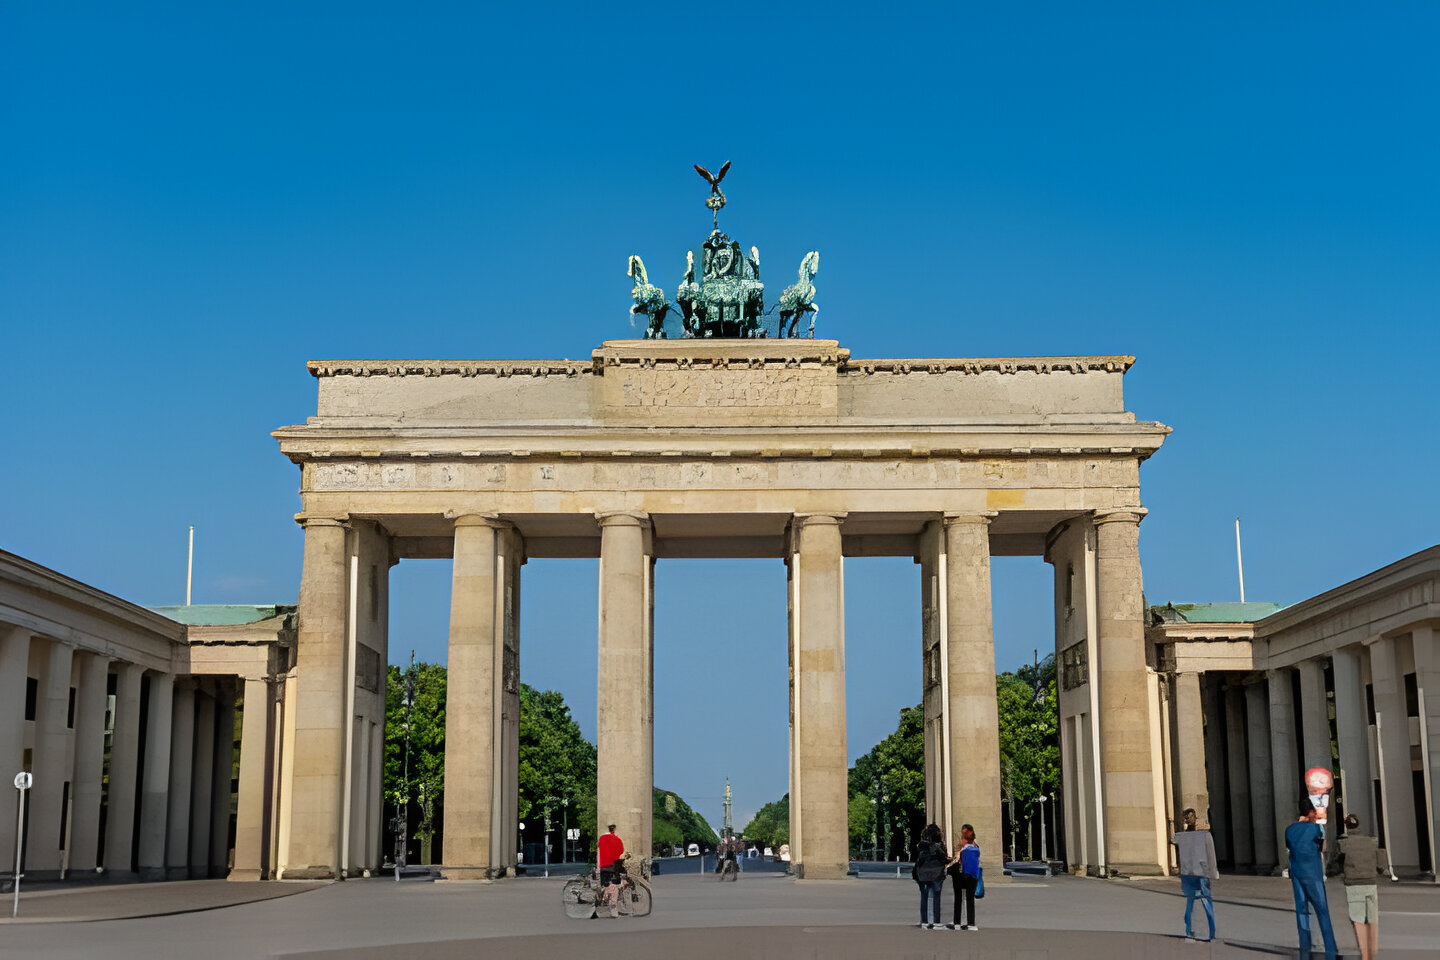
(1239, 561)
(190, 565)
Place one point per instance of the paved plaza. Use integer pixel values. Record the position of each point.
(763, 915)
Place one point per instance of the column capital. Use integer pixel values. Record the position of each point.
(623, 518)
(307, 520)
(1120, 515)
(829, 519)
(978, 518)
(491, 520)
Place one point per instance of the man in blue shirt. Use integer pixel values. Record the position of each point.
(1307, 877)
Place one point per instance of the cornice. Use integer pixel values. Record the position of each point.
(978, 365)
(449, 368)
(699, 358)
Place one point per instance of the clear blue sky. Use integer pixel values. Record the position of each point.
(195, 199)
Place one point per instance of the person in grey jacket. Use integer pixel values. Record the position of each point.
(1361, 861)
(1195, 853)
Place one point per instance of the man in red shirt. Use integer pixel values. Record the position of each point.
(610, 848)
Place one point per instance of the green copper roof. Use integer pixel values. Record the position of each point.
(1247, 612)
(223, 614)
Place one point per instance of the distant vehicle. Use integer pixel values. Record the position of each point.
(693, 850)
(769, 853)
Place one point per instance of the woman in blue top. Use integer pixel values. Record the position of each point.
(964, 879)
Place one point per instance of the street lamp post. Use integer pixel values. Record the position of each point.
(565, 816)
(1043, 855)
(548, 802)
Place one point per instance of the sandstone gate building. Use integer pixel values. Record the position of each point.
(788, 449)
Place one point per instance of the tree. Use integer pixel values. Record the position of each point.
(416, 785)
(770, 827)
(1029, 735)
(675, 824)
(557, 764)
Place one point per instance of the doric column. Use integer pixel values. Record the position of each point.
(51, 764)
(819, 801)
(1216, 767)
(1262, 775)
(1352, 734)
(1426, 642)
(252, 813)
(1189, 735)
(313, 802)
(974, 725)
(223, 774)
(1284, 755)
(1242, 847)
(91, 697)
(202, 786)
(1314, 715)
(124, 768)
(14, 672)
(625, 739)
(1133, 830)
(480, 730)
(1392, 734)
(182, 758)
(155, 793)
(932, 681)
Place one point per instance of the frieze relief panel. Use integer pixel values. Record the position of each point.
(719, 474)
(726, 388)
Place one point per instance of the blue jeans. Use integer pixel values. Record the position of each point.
(1311, 893)
(1197, 887)
(930, 889)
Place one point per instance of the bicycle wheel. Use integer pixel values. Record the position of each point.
(639, 900)
(579, 899)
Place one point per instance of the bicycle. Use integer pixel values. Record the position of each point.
(583, 895)
(729, 870)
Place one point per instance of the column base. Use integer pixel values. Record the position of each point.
(473, 873)
(177, 873)
(152, 874)
(820, 871)
(309, 873)
(246, 875)
(1134, 869)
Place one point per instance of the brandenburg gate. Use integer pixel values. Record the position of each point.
(719, 447)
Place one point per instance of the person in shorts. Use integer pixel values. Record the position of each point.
(1361, 861)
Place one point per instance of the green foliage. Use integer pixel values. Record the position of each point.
(557, 763)
(421, 779)
(675, 824)
(893, 775)
(1029, 732)
(771, 824)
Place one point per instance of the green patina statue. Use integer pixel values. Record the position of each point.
(729, 298)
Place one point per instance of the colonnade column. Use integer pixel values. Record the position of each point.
(819, 793)
(1262, 776)
(1314, 715)
(313, 800)
(1193, 783)
(1284, 756)
(50, 764)
(14, 671)
(625, 735)
(252, 818)
(1392, 734)
(932, 593)
(1427, 679)
(481, 722)
(202, 783)
(124, 768)
(1216, 767)
(970, 707)
(224, 767)
(182, 751)
(155, 793)
(91, 696)
(1134, 832)
(1242, 847)
(1352, 735)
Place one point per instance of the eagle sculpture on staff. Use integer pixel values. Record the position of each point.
(716, 200)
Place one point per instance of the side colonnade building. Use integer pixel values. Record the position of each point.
(1254, 695)
(126, 719)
